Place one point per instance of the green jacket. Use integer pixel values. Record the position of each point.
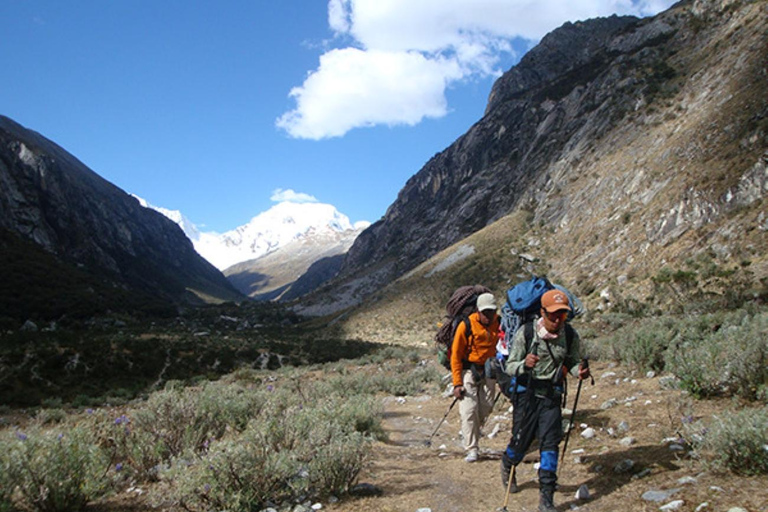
(547, 367)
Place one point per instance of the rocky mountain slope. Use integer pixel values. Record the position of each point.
(280, 254)
(90, 226)
(627, 145)
(294, 268)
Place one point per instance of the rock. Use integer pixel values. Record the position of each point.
(623, 427)
(627, 441)
(659, 496)
(737, 509)
(582, 493)
(702, 506)
(608, 375)
(624, 466)
(589, 433)
(651, 374)
(495, 431)
(29, 326)
(424, 510)
(578, 451)
(608, 404)
(676, 447)
(365, 490)
(317, 506)
(686, 480)
(644, 473)
(672, 505)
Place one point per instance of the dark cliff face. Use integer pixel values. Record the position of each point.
(49, 197)
(569, 90)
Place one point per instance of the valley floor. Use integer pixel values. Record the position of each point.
(412, 476)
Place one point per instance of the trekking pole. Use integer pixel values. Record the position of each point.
(428, 442)
(509, 487)
(584, 364)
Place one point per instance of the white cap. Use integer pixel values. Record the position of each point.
(486, 301)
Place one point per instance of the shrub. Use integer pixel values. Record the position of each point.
(738, 441)
(56, 470)
(308, 450)
(174, 421)
(722, 354)
(643, 345)
(7, 483)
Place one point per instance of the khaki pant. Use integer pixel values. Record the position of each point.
(474, 407)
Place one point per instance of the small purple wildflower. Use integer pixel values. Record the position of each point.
(89, 411)
(122, 419)
(60, 437)
(21, 436)
(207, 487)
(270, 388)
(119, 467)
(688, 419)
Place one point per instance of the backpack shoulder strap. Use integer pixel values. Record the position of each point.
(528, 333)
(569, 334)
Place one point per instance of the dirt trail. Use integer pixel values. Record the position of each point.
(412, 476)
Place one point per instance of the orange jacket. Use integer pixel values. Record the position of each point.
(480, 346)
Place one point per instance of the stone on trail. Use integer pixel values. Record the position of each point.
(582, 493)
(589, 433)
(672, 505)
(624, 466)
(659, 496)
(365, 490)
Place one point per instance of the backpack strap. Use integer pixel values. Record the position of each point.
(528, 333)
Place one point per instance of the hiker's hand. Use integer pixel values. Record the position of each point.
(531, 360)
(459, 392)
(584, 373)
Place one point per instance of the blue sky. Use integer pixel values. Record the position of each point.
(210, 107)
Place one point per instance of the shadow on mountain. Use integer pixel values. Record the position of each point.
(320, 272)
(249, 283)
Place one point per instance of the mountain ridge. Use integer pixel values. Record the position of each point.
(629, 159)
(51, 198)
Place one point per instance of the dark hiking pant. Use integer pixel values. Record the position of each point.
(537, 418)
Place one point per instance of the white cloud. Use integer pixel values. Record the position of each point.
(406, 53)
(288, 195)
(354, 88)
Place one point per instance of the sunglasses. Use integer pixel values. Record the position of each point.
(557, 315)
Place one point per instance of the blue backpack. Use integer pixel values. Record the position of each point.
(523, 304)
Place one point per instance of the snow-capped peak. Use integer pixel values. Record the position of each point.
(285, 222)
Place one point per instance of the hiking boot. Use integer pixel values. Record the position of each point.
(471, 455)
(506, 467)
(546, 503)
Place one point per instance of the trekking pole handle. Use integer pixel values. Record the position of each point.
(585, 365)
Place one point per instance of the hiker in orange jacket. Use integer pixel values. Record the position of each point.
(471, 386)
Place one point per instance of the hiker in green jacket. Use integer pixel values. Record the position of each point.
(537, 366)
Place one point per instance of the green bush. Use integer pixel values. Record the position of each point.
(722, 354)
(7, 483)
(309, 450)
(174, 421)
(61, 470)
(642, 345)
(737, 441)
